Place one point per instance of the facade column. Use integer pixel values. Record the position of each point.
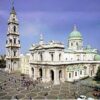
(56, 77)
(44, 75)
(48, 75)
(63, 75)
(36, 73)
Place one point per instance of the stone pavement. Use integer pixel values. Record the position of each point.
(11, 87)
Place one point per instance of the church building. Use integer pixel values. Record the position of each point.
(51, 62)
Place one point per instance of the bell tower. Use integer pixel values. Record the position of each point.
(12, 42)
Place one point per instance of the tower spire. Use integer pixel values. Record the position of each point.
(12, 7)
(12, 3)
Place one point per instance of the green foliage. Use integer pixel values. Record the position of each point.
(97, 77)
(2, 62)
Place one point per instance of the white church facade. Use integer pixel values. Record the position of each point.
(51, 62)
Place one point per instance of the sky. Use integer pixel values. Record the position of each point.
(54, 19)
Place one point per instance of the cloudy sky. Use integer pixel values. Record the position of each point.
(53, 18)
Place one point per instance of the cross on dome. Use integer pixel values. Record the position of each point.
(41, 37)
(75, 27)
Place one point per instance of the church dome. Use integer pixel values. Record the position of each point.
(75, 34)
(97, 57)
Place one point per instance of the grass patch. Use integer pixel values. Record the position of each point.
(2, 94)
(7, 97)
(31, 94)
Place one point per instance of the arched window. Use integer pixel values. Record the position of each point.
(52, 75)
(14, 28)
(69, 75)
(71, 44)
(75, 73)
(32, 69)
(14, 40)
(77, 43)
(14, 53)
(10, 40)
(41, 57)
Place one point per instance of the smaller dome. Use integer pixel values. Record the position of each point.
(97, 57)
(75, 33)
(88, 47)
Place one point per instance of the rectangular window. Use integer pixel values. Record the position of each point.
(81, 72)
(41, 57)
(59, 56)
(52, 56)
(75, 73)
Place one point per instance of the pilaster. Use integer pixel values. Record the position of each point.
(56, 76)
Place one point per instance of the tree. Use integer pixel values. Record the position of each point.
(2, 62)
(97, 77)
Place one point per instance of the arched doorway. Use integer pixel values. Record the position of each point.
(32, 69)
(52, 75)
(60, 74)
(40, 72)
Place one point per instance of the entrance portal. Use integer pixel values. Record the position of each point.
(40, 72)
(52, 75)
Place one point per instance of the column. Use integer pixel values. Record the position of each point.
(36, 73)
(63, 75)
(56, 77)
(44, 75)
(48, 75)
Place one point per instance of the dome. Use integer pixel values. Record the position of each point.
(97, 57)
(75, 33)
